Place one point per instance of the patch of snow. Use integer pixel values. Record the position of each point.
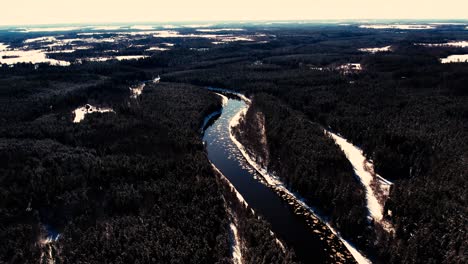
(47, 29)
(364, 170)
(131, 57)
(398, 26)
(90, 33)
(41, 39)
(235, 38)
(97, 59)
(74, 41)
(461, 44)
(157, 49)
(136, 91)
(349, 68)
(142, 27)
(375, 50)
(81, 112)
(220, 38)
(119, 58)
(169, 26)
(200, 49)
(3, 47)
(28, 56)
(448, 23)
(107, 28)
(359, 162)
(219, 29)
(236, 252)
(60, 51)
(455, 58)
(198, 25)
(223, 98)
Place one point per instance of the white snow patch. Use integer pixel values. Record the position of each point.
(142, 27)
(120, 58)
(131, 57)
(236, 253)
(28, 56)
(448, 23)
(136, 91)
(455, 58)
(3, 47)
(461, 44)
(224, 99)
(41, 39)
(364, 170)
(398, 26)
(107, 28)
(61, 51)
(169, 26)
(375, 50)
(47, 29)
(81, 112)
(349, 68)
(198, 25)
(219, 29)
(157, 49)
(359, 162)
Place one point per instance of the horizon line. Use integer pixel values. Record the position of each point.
(336, 20)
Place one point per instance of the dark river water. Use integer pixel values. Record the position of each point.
(289, 227)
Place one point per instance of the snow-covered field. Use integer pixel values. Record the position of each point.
(364, 170)
(48, 29)
(157, 49)
(455, 58)
(461, 44)
(375, 50)
(81, 112)
(3, 47)
(219, 29)
(349, 68)
(399, 26)
(28, 56)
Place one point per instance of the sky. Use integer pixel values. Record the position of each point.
(26, 12)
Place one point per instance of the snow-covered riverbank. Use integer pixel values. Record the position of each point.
(292, 198)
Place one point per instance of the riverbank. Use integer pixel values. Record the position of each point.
(318, 223)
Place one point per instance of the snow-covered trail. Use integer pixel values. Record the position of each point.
(364, 170)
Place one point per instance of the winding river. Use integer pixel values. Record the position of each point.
(285, 223)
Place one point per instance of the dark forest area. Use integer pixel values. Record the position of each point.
(135, 185)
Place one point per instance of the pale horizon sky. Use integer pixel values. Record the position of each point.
(31, 12)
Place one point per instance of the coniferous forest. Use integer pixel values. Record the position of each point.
(135, 185)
